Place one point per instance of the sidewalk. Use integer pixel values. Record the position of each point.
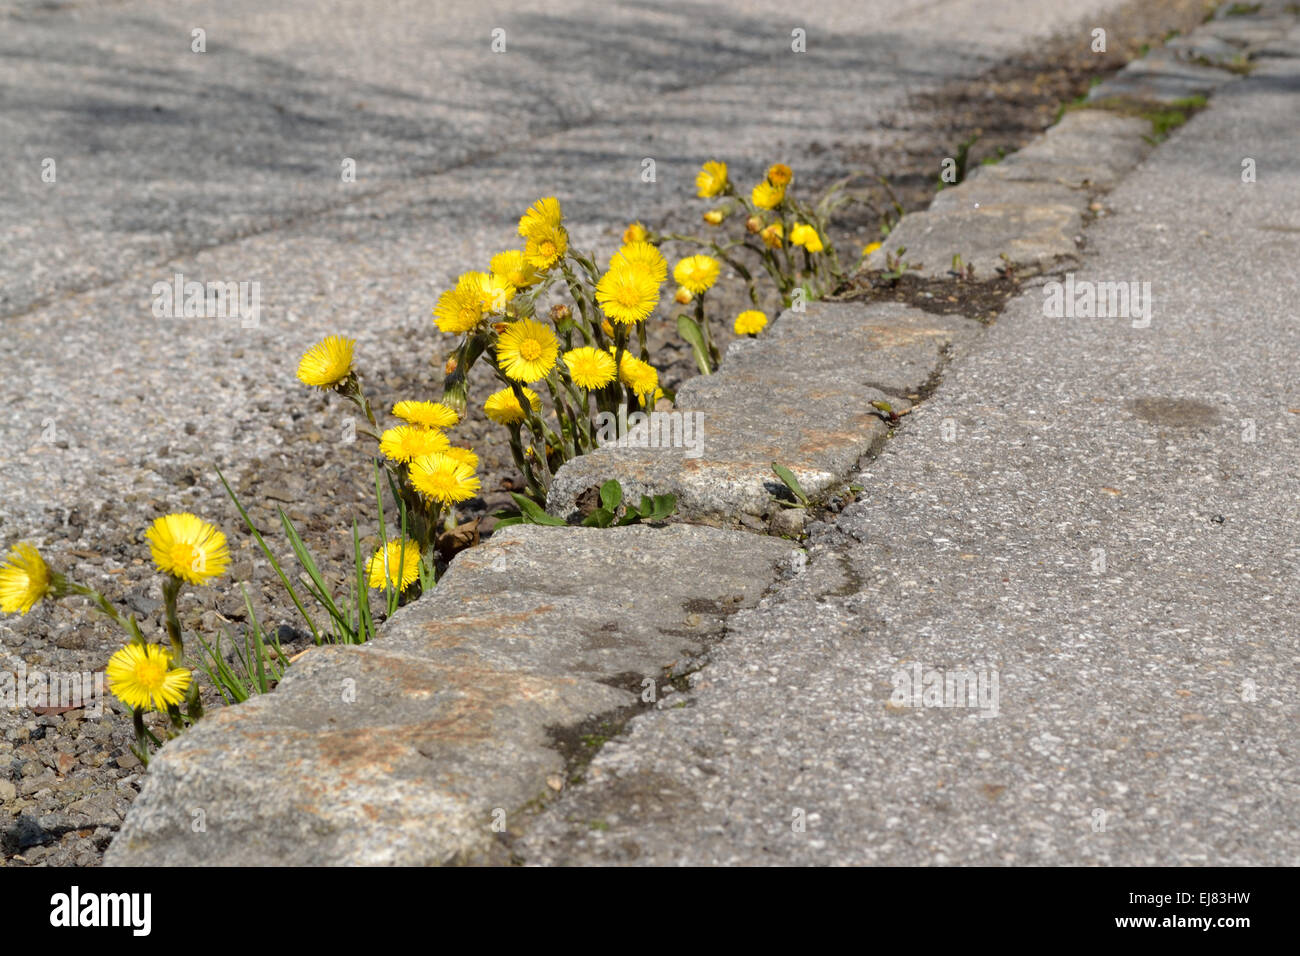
(1100, 517)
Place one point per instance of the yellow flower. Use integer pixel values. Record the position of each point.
(428, 414)
(494, 292)
(327, 363)
(802, 234)
(771, 235)
(526, 351)
(503, 408)
(780, 175)
(443, 479)
(750, 322)
(697, 273)
(869, 248)
(407, 442)
(187, 547)
(590, 368)
(642, 255)
(606, 327)
(639, 376)
(546, 240)
(513, 269)
(460, 309)
(711, 179)
(714, 217)
(24, 579)
(767, 196)
(683, 296)
(627, 293)
(465, 456)
(634, 233)
(390, 561)
(141, 676)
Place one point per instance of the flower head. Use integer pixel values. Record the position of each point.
(767, 196)
(711, 179)
(714, 217)
(642, 255)
(697, 273)
(627, 293)
(513, 269)
(637, 375)
(407, 442)
(802, 234)
(634, 233)
(327, 363)
(750, 322)
(526, 351)
(590, 368)
(545, 238)
(187, 547)
(461, 308)
(443, 479)
(683, 296)
(394, 559)
(142, 677)
(503, 408)
(771, 235)
(24, 579)
(465, 456)
(780, 175)
(870, 247)
(428, 414)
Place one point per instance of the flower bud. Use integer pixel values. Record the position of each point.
(714, 217)
(683, 296)
(561, 313)
(634, 233)
(754, 224)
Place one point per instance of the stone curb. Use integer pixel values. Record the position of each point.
(408, 749)
(800, 394)
(1027, 210)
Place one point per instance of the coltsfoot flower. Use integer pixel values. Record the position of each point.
(396, 557)
(771, 235)
(590, 368)
(714, 217)
(870, 247)
(634, 233)
(428, 414)
(780, 175)
(407, 442)
(750, 322)
(461, 308)
(767, 196)
(187, 547)
(327, 363)
(711, 179)
(444, 479)
(637, 375)
(627, 293)
(25, 579)
(526, 351)
(802, 234)
(142, 677)
(546, 241)
(642, 255)
(512, 268)
(697, 273)
(466, 456)
(503, 408)
(683, 296)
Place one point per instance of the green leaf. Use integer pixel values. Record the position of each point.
(611, 495)
(690, 331)
(533, 513)
(600, 518)
(790, 481)
(664, 506)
